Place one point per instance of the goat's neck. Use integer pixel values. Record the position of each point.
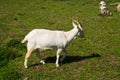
(70, 35)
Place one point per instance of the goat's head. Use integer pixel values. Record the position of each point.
(102, 3)
(77, 25)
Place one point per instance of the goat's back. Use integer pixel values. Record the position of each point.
(47, 38)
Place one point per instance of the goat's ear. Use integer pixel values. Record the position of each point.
(80, 26)
(74, 24)
(77, 24)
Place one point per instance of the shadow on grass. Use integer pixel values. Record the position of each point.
(10, 51)
(7, 54)
(15, 43)
(69, 59)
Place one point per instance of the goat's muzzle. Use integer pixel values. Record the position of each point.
(82, 34)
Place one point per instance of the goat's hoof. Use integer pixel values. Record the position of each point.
(26, 67)
(57, 66)
(42, 62)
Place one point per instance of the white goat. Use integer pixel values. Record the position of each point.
(118, 7)
(42, 39)
(104, 10)
(116, 4)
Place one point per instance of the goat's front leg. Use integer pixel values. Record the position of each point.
(65, 53)
(58, 56)
(38, 55)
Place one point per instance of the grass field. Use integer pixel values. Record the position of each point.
(97, 57)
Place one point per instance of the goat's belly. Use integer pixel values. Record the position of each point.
(46, 47)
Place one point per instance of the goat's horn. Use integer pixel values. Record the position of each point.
(78, 23)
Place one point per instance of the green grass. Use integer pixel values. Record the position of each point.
(97, 57)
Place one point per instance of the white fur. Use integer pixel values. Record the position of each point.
(104, 10)
(102, 5)
(48, 39)
(118, 7)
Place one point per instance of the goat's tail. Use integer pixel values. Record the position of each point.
(24, 40)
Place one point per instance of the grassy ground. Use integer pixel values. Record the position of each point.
(95, 58)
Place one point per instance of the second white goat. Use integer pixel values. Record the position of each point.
(104, 10)
(42, 39)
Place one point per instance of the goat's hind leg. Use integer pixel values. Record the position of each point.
(38, 55)
(26, 58)
(30, 48)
